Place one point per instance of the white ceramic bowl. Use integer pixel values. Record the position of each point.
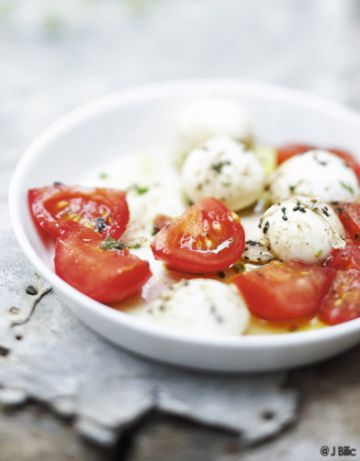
(132, 119)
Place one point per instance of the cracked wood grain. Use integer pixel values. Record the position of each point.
(22, 315)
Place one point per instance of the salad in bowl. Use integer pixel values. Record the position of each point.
(221, 235)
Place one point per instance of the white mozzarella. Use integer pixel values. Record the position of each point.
(159, 198)
(255, 252)
(223, 169)
(316, 173)
(203, 307)
(302, 228)
(207, 118)
(153, 187)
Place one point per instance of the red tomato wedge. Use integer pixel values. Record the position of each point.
(108, 276)
(346, 258)
(342, 303)
(348, 158)
(160, 221)
(207, 238)
(289, 150)
(281, 292)
(349, 214)
(104, 210)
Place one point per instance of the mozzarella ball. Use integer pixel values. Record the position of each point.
(302, 228)
(256, 252)
(208, 118)
(223, 169)
(316, 173)
(203, 307)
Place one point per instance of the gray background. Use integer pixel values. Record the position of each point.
(57, 54)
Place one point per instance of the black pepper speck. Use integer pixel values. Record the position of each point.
(266, 227)
(31, 290)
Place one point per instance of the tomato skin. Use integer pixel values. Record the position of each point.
(160, 221)
(54, 207)
(348, 158)
(342, 303)
(289, 150)
(349, 214)
(346, 258)
(207, 238)
(281, 292)
(108, 276)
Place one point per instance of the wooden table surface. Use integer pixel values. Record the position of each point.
(56, 55)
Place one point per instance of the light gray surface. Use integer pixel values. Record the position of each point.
(55, 55)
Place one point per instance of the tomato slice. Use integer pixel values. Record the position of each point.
(207, 238)
(348, 158)
(349, 214)
(108, 276)
(289, 150)
(346, 258)
(160, 221)
(287, 291)
(104, 210)
(342, 303)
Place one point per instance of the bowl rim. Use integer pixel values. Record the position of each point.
(131, 95)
